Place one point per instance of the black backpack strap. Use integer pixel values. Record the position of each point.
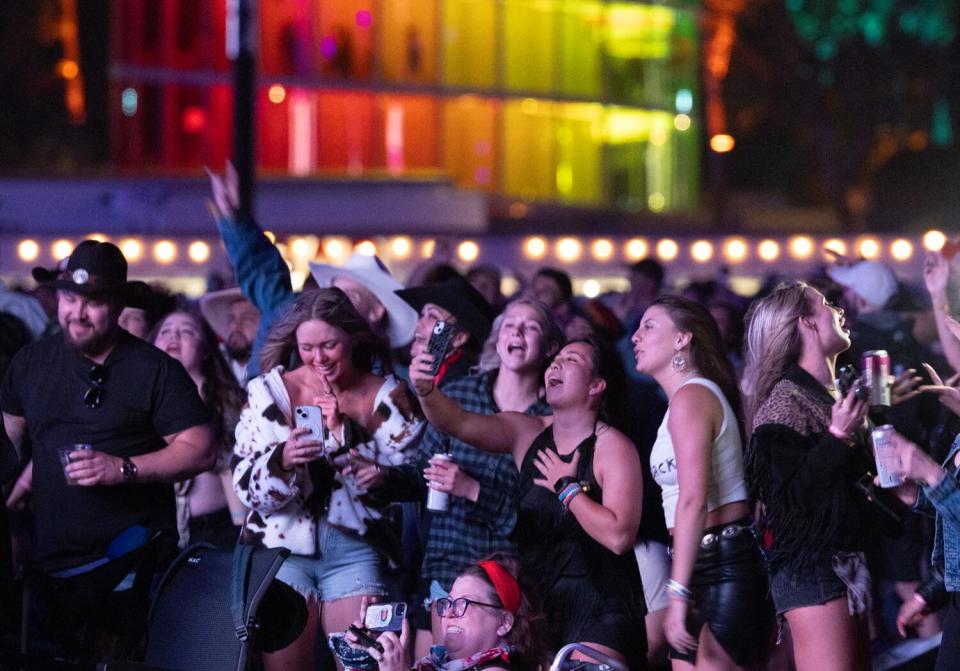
(242, 555)
(187, 552)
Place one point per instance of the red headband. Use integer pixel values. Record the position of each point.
(505, 585)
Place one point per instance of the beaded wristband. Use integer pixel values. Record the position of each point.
(570, 497)
(566, 491)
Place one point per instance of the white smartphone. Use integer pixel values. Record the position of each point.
(311, 417)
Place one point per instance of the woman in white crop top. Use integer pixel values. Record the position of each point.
(719, 615)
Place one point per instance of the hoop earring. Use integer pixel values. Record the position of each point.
(678, 363)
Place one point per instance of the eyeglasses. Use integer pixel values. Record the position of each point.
(93, 397)
(457, 607)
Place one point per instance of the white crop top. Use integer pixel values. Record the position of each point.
(726, 481)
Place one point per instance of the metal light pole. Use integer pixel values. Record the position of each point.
(241, 48)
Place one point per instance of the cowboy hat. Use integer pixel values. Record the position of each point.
(371, 273)
(459, 298)
(215, 308)
(94, 268)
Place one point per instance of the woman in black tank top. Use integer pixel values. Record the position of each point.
(580, 497)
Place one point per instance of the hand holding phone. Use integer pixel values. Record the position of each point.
(385, 616)
(439, 342)
(311, 418)
(363, 638)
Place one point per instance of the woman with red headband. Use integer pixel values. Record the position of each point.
(487, 622)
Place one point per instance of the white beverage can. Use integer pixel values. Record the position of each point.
(437, 501)
(887, 460)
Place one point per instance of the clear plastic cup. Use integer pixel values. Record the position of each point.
(65, 459)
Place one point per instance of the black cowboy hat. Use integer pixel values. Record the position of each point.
(458, 297)
(94, 268)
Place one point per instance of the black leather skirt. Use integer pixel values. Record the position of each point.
(731, 593)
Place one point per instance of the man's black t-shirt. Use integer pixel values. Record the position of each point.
(146, 395)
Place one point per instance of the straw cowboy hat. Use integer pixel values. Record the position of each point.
(371, 273)
(215, 308)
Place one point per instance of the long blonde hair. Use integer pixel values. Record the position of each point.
(773, 341)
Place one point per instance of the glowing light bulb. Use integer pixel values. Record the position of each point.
(277, 94)
(801, 247)
(701, 251)
(869, 248)
(934, 240)
(401, 247)
(61, 249)
(668, 249)
(198, 251)
(768, 250)
(636, 249)
(722, 143)
(468, 251)
(28, 250)
(569, 249)
(132, 249)
(591, 288)
(835, 244)
(535, 248)
(735, 250)
(901, 249)
(367, 248)
(602, 249)
(165, 251)
(336, 249)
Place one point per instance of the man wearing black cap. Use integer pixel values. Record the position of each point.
(96, 385)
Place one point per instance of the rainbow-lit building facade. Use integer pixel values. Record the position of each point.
(580, 102)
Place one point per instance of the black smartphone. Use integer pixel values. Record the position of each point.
(848, 378)
(439, 342)
(365, 639)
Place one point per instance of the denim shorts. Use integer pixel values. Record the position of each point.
(814, 584)
(344, 566)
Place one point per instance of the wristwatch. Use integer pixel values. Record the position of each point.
(129, 470)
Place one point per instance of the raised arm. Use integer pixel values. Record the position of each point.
(504, 432)
(936, 276)
(261, 272)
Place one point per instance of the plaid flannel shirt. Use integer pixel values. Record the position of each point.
(468, 531)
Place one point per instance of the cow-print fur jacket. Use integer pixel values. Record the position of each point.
(286, 506)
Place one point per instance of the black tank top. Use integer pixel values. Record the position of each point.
(554, 547)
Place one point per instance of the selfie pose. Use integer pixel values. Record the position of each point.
(579, 498)
(301, 488)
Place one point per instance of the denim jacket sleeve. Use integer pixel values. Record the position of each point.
(945, 498)
(261, 272)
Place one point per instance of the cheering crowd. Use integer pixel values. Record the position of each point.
(668, 477)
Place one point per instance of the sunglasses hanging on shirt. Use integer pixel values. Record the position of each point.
(93, 396)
